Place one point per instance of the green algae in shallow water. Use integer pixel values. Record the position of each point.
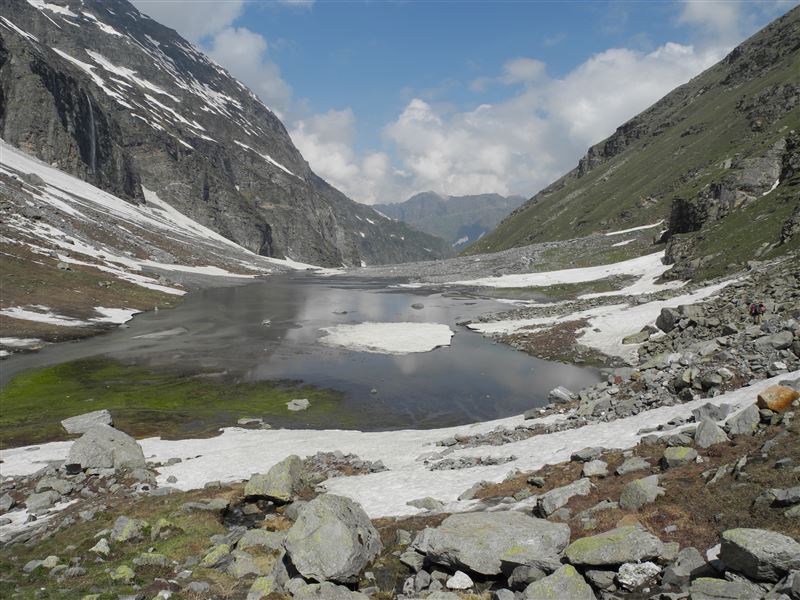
(145, 402)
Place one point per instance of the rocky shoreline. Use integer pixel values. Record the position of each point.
(644, 522)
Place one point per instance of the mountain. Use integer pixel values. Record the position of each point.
(103, 92)
(711, 158)
(461, 220)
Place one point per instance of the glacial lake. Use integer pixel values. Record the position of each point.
(270, 330)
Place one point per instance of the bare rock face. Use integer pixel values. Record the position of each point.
(332, 540)
(103, 447)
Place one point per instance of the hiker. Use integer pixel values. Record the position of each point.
(756, 311)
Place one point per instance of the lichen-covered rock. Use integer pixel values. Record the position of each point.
(677, 455)
(269, 540)
(480, 542)
(639, 492)
(636, 575)
(122, 574)
(615, 547)
(103, 447)
(759, 554)
(280, 483)
(217, 557)
(325, 591)
(777, 398)
(635, 463)
(564, 583)
(332, 539)
(262, 587)
(689, 563)
(126, 529)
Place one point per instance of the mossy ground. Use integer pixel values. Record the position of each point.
(146, 402)
(561, 291)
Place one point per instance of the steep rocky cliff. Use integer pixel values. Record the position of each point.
(105, 93)
(710, 158)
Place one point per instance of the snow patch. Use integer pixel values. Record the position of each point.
(622, 243)
(41, 314)
(388, 338)
(640, 228)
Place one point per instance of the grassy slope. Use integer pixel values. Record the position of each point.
(692, 132)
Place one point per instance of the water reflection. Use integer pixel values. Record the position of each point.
(269, 330)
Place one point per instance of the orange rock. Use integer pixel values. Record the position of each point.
(777, 398)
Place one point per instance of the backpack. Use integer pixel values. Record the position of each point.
(753, 309)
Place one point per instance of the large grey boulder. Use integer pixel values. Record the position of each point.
(332, 539)
(615, 547)
(708, 433)
(560, 395)
(688, 564)
(482, 542)
(564, 583)
(635, 463)
(668, 319)
(551, 501)
(325, 591)
(712, 411)
(677, 456)
(744, 422)
(280, 483)
(42, 501)
(709, 588)
(759, 554)
(103, 447)
(639, 492)
(83, 423)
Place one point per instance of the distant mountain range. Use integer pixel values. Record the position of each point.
(461, 220)
(717, 158)
(103, 92)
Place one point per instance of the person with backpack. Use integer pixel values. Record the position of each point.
(757, 310)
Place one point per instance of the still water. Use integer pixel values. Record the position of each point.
(269, 330)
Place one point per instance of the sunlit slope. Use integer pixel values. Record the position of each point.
(689, 140)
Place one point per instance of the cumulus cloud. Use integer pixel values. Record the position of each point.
(194, 20)
(720, 18)
(245, 55)
(326, 142)
(522, 144)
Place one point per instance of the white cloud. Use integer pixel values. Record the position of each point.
(720, 18)
(245, 55)
(194, 20)
(326, 140)
(523, 70)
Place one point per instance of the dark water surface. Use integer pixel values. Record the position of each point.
(224, 330)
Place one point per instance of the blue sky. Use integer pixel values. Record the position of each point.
(386, 99)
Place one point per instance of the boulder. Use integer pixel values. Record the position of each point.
(689, 563)
(564, 583)
(217, 557)
(744, 422)
(83, 423)
(708, 433)
(595, 468)
(480, 542)
(103, 447)
(635, 463)
(712, 411)
(709, 588)
(560, 395)
(42, 501)
(459, 581)
(126, 529)
(615, 547)
(777, 398)
(668, 319)
(782, 340)
(298, 404)
(639, 492)
(280, 483)
(587, 454)
(635, 575)
(262, 587)
(332, 539)
(677, 455)
(261, 538)
(551, 501)
(325, 591)
(759, 554)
